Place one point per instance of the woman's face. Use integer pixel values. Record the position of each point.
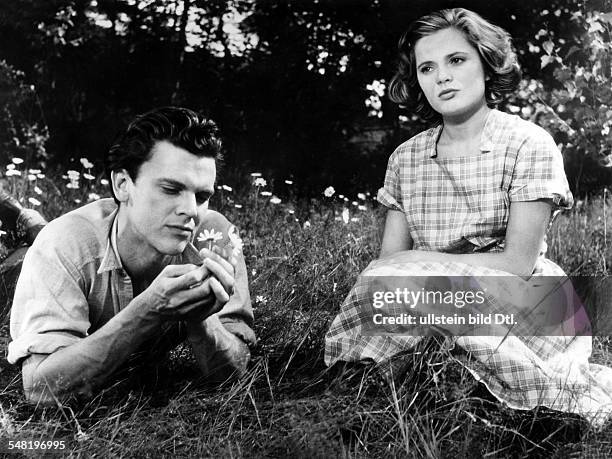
(450, 73)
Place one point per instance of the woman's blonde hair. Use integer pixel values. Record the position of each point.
(493, 44)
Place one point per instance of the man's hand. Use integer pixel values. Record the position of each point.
(192, 293)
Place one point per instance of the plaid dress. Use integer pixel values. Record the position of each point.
(460, 205)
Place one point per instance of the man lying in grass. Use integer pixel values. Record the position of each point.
(119, 280)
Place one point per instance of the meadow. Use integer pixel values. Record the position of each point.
(303, 255)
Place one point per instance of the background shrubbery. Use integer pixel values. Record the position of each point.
(298, 87)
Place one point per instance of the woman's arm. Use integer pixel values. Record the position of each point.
(527, 226)
(396, 237)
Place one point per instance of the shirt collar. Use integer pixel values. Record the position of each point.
(486, 138)
(111, 260)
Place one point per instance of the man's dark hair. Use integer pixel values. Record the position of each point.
(181, 127)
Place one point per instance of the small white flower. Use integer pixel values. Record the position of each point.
(78, 201)
(104, 181)
(266, 193)
(275, 200)
(238, 206)
(34, 201)
(355, 203)
(354, 219)
(86, 163)
(289, 182)
(93, 197)
(341, 196)
(72, 174)
(12, 172)
(361, 196)
(329, 191)
(31, 177)
(73, 185)
(209, 235)
(362, 207)
(261, 299)
(291, 211)
(10, 167)
(306, 224)
(34, 171)
(88, 177)
(255, 174)
(260, 182)
(345, 215)
(2, 233)
(253, 272)
(37, 190)
(17, 160)
(41, 176)
(235, 240)
(227, 188)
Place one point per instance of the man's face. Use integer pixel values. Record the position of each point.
(167, 199)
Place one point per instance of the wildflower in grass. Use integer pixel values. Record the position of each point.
(355, 203)
(31, 177)
(345, 215)
(354, 219)
(104, 181)
(341, 196)
(266, 193)
(10, 167)
(40, 176)
(86, 163)
(34, 201)
(227, 188)
(334, 287)
(93, 197)
(17, 160)
(362, 207)
(260, 299)
(37, 190)
(253, 272)
(88, 176)
(291, 211)
(329, 191)
(78, 201)
(72, 174)
(34, 171)
(210, 236)
(238, 206)
(235, 240)
(275, 200)
(2, 233)
(361, 196)
(255, 174)
(73, 185)
(12, 172)
(306, 224)
(346, 199)
(260, 182)
(289, 182)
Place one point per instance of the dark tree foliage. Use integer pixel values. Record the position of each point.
(290, 98)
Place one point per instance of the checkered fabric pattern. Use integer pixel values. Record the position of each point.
(461, 205)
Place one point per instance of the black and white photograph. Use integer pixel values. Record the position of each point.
(306, 228)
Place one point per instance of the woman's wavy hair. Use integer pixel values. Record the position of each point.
(493, 44)
(181, 127)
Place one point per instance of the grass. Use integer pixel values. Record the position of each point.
(303, 259)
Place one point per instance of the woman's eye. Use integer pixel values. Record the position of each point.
(456, 60)
(168, 190)
(425, 69)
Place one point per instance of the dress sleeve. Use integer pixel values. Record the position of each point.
(50, 310)
(237, 314)
(539, 174)
(390, 194)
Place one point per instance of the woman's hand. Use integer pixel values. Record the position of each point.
(396, 236)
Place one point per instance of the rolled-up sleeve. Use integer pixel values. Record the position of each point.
(237, 314)
(49, 309)
(390, 194)
(539, 173)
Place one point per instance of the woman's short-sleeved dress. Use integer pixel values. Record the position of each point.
(461, 205)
